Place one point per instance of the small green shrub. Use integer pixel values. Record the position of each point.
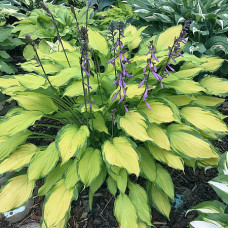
(215, 213)
(121, 112)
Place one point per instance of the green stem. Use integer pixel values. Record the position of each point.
(41, 137)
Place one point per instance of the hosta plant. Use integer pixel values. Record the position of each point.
(119, 118)
(215, 213)
(209, 21)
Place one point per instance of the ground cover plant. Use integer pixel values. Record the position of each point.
(209, 22)
(123, 107)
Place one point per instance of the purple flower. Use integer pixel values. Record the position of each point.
(115, 95)
(142, 82)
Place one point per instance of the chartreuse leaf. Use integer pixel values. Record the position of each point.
(160, 200)
(215, 85)
(120, 176)
(147, 164)
(159, 136)
(6, 82)
(211, 63)
(9, 144)
(134, 124)
(166, 39)
(203, 119)
(18, 158)
(76, 88)
(208, 101)
(43, 162)
(179, 100)
(70, 139)
(112, 186)
(57, 204)
(120, 152)
(185, 86)
(97, 42)
(55, 175)
(89, 165)
(207, 207)
(96, 184)
(189, 143)
(19, 122)
(71, 176)
(188, 73)
(167, 157)
(125, 212)
(138, 197)
(15, 193)
(159, 113)
(64, 76)
(142, 225)
(35, 102)
(164, 181)
(99, 123)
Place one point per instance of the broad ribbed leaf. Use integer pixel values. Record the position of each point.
(9, 144)
(211, 63)
(139, 199)
(167, 157)
(57, 204)
(204, 119)
(120, 152)
(159, 136)
(180, 100)
(189, 144)
(215, 85)
(19, 122)
(125, 212)
(208, 101)
(70, 139)
(188, 73)
(112, 186)
(99, 123)
(36, 102)
(147, 164)
(71, 176)
(89, 166)
(159, 113)
(15, 193)
(134, 124)
(43, 162)
(18, 158)
(160, 201)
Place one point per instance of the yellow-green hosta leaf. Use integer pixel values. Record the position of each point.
(70, 139)
(43, 162)
(159, 136)
(63, 77)
(159, 113)
(134, 124)
(57, 204)
(98, 42)
(208, 101)
(89, 166)
(188, 73)
(186, 142)
(76, 88)
(180, 100)
(125, 212)
(204, 119)
(15, 193)
(142, 225)
(147, 164)
(36, 102)
(211, 63)
(111, 185)
(53, 177)
(215, 85)
(13, 90)
(185, 86)
(9, 144)
(30, 81)
(8, 81)
(164, 181)
(160, 201)
(166, 39)
(167, 157)
(120, 152)
(19, 122)
(139, 199)
(99, 123)
(18, 158)
(71, 176)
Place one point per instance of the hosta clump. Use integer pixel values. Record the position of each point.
(107, 141)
